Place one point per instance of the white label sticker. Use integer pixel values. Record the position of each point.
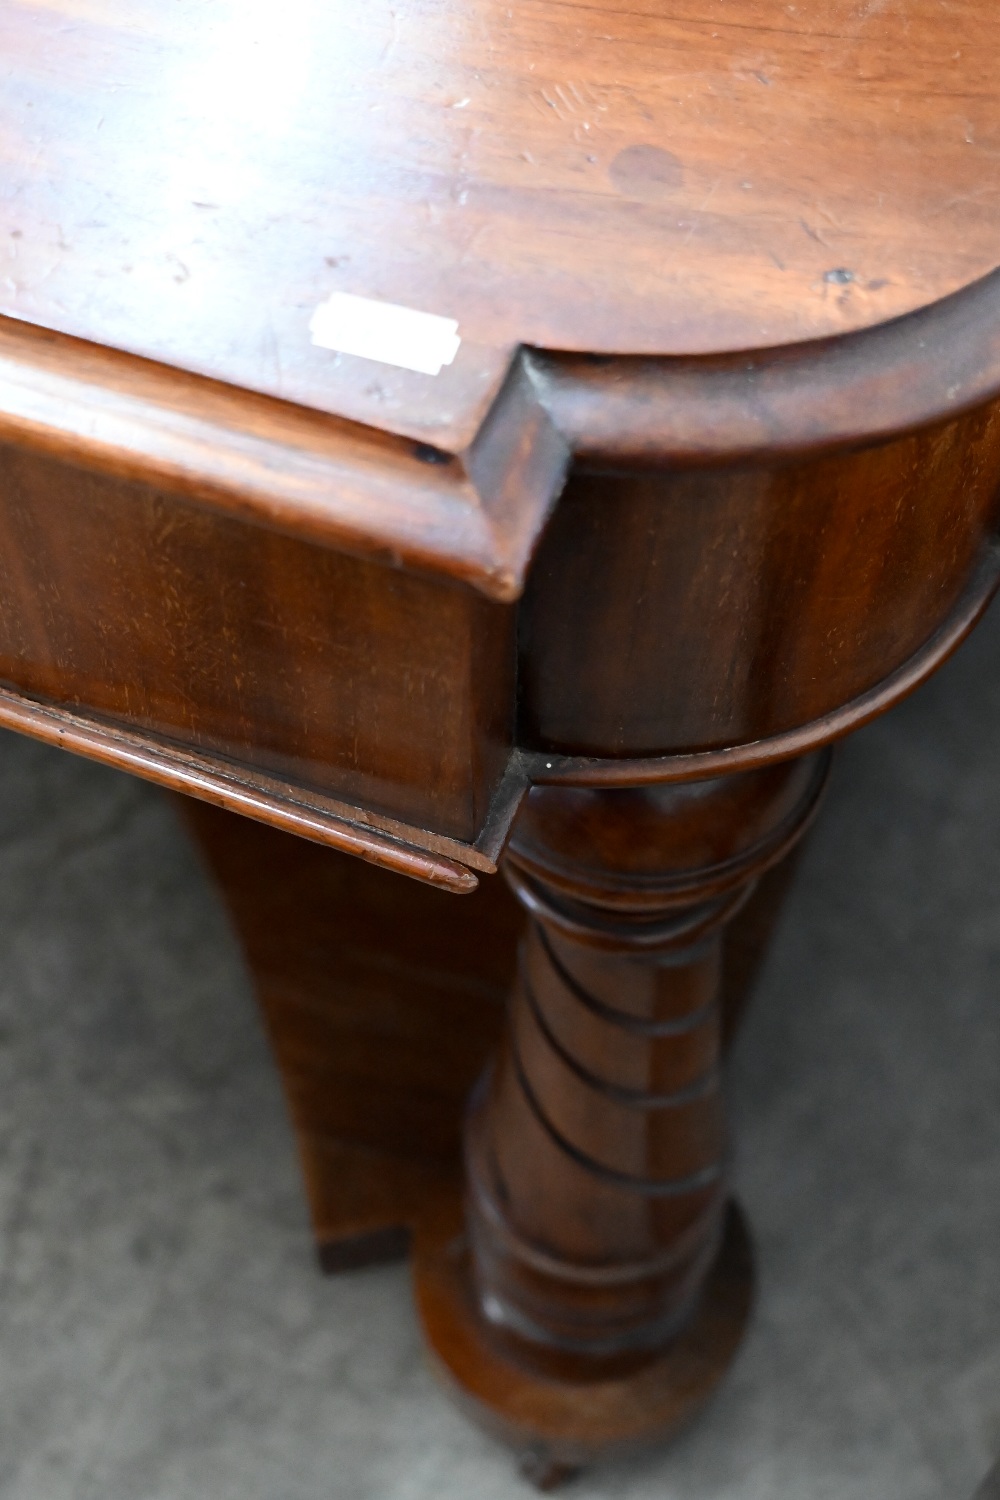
(380, 330)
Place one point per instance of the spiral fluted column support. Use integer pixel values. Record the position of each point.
(598, 1281)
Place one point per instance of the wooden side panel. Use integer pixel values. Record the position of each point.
(698, 609)
(383, 997)
(354, 679)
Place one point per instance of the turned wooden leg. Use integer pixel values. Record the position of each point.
(383, 998)
(597, 1286)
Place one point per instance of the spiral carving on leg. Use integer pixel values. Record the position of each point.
(596, 1148)
(600, 1282)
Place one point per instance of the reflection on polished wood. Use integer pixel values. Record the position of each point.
(632, 179)
(712, 480)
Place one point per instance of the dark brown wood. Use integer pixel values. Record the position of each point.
(557, 1422)
(551, 768)
(595, 1149)
(360, 490)
(112, 591)
(294, 468)
(383, 1001)
(791, 400)
(622, 177)
(729, 275)
(747, 601)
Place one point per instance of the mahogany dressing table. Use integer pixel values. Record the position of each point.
(451, 431)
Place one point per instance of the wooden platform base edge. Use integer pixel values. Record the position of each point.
(560, 1425)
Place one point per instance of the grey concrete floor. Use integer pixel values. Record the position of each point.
(164, 1334)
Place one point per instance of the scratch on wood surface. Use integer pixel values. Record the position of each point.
(814, 234)
(569, 100)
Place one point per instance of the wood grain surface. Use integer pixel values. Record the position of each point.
(189, 181)
(665, 573)
(211, 566)
(254, 645)
(712, 478)
(596, 1159)
(383, 1000)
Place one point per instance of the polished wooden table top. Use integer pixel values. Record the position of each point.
(189, 181)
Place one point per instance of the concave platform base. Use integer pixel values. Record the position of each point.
(562, 1413)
